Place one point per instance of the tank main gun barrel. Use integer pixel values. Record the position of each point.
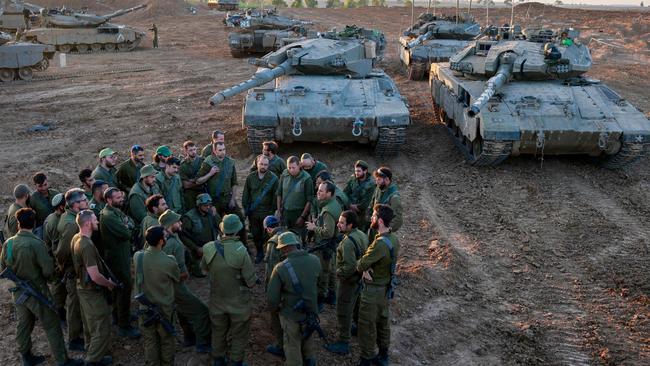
(493, 84)
(259, 78)
(418, 41)
(123, 11)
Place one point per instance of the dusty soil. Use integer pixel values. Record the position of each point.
(533, 262)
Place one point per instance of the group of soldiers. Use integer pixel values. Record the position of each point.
(73, 254)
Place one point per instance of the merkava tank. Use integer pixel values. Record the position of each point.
(19, 60)
(434, 39)
(502, 98)
(71, 31)
(13, 16)
(324, 89)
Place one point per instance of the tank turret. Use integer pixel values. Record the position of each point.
(71, 19)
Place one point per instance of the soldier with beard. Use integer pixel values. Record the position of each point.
(128, 173)
(189, 169)
(386, 193)
(360, 189)
(41, 201)
(217, 137)
(105, 170)
(142, 190)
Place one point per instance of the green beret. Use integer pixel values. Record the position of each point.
(147, 170)
(231, 224)
(287, 239)
(164, 150)
(169, 218)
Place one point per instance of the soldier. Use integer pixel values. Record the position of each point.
(51, 239)
(294, 197)
(276, 164)
(41, 201)
(156, 276)
(170, 184)
(293, 290)
(341, 197)
(352, 247)
(194, 316)
(258, 200)
(218, 137)
(21, 194)
(128, 173)
(162, 153)
(117, 232)
(86, 178)
(75, 201)
(140, 191)
(272, 257)
(91, 284)
(26, 255)
(386, 193)
(189, 169)
(377, 267)
(154, 29)
(156, 205)
(325, 232)
(105, 170)
(360, 189)
(311, 165)
(97, 202)
(200, 225)
(231, 275)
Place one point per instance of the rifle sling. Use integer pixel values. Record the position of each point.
(259, 198)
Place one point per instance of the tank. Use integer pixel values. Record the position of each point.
(71, 31)
(434, 39)
(13, 16)
(501, 98)
(19, 60)
(247, 42)
(324, 89)
(223, 4)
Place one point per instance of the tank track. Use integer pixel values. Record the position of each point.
(130, 47)
(490, 152)
(257, 135)
(390, 141)
(78, 74)
(629, 153)
(416, 71)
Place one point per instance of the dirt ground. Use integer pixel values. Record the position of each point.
(532, 262)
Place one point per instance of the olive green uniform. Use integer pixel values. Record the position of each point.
(128, 174)
(27, 256)
(258, 199)
(107, 175)
(148, 221)
(374, 316)
(326, 230)
(95, 311)
(206, 151)
(96, 206)
(317, 168)
(172, 189)
(273, 256)
(117, 230)
(51, 238)
(42, 205)
(11, 223)
(189, 172)
(360, 193)
(276, 165)
(294, 193)
(156, 276)
(139, 193)
(281, 293)
(198, 229)
(219, 186)
(388, 196)
(351, 248)
(67, 229)
(231, 277)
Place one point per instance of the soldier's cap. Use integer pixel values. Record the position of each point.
(147, 171)
(106, 152)
(164, 150)
(287, 239)
(384, 173)
(169, 218)
(74, 195)
(21, 191)
(231, 224)
(57, 199)
(271, 221)
(306, 156)
(362, 164)
(98, 184)
(153, 235)
(203, 199)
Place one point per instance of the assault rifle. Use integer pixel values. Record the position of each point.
(311, 322)
(154, 314)
(28, 289)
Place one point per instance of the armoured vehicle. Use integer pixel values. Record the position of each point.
(502, 98)
(13, 16)
(19, 60)
(262, 41)
(324, 89)
(224, 4)
(82, 32)
(434, 39)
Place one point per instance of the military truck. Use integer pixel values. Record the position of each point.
(324, 89)
(19, 60)
(502, 98)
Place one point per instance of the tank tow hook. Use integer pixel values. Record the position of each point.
(297, 128)
(602, 140)
(356, 127)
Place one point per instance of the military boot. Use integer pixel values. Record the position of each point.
(275, 350)
(73, 362)
(29, 359)
(240, 363)
(129, 332)
(382, 358)
(340, 348)
(365, 362)
(219, 361)
(77, 344)
(309, 362)
(331, 297)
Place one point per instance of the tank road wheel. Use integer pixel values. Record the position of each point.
(390, 141)
(629, 152)
(109, 47)
(43, 65)
(96, 47)
(83, 48)
(257, 135)
(123, 47)
(7, 75)
(416, 71)
(237, 53)
(64, 48)
(25, 73)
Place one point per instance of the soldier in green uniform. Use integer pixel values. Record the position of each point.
(258, 199)
(360, 188)
(276, 163)
(140, 191)
(51, 239)
(91, 287)
(86, 178)
(273, 256)
(189, 169)
(377, 267)
(231, 275)
(156, 205)
(293, 290)
(128, 173)
(170, 184)
(105, 170)
(75, 201)
(294, 197)
(217, 137)
(27, 256)
(193, 314)
(154, 29)
(352, 247)
(200, 225)
(325, 232)
(97, 202)
(21, 194)
(341, 197)
(159, 157)
(156, 276)
(41, 201)
(311, 165)
(117, 231)
(386, 193)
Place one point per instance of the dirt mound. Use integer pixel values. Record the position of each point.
(535, 6)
